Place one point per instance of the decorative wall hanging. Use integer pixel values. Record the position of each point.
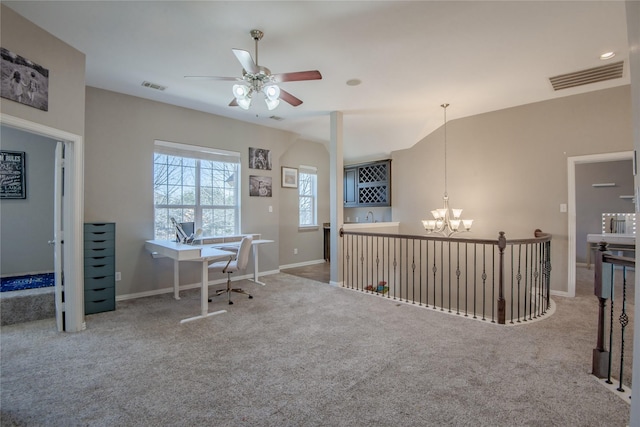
(289, 177)
(259, 158)
(24, 81)
(260, 186)
(12, 175)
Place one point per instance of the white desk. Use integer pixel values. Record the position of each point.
(183, 252)
(614, 240)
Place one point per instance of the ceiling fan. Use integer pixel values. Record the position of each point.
(258, 79)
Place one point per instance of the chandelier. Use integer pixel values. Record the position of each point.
(446, 221)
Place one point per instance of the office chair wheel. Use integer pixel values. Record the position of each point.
(230, 302)
(250, 296)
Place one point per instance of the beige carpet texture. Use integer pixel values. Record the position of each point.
(305, 353)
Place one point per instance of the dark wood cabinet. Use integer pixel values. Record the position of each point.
(351, 187)
(368, 184)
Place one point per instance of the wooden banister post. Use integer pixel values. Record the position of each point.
(600, 359)
(502, 244)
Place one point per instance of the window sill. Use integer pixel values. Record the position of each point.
(308, 227)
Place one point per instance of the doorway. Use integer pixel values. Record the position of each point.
(572, 220)
(71, 207)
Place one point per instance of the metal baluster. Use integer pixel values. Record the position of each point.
(466, 280)
(611, 293)
(441, 276)
(484, 280)
(475, 279)
(457, 277)
(624, 321)
(434, 269)
(413, 272)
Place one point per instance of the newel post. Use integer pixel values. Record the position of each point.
(502, 244)
(602, 290)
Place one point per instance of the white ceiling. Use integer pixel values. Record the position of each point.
(411, 57)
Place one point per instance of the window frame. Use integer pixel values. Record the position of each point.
(303, 171)
(197, 155)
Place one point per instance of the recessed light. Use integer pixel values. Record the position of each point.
(354, 82)
(607, 55)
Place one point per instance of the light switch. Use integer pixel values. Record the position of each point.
(563, 207)
(270, 208)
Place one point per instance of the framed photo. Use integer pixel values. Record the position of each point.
(260, 186)
(12, 175)
(259, 158)
(289, 177)
(23, 80)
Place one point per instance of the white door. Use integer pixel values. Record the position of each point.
(58, 235)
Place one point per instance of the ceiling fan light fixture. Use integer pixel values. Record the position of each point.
(240, 91)
(272, 103)
(272, 92)
(242, 94)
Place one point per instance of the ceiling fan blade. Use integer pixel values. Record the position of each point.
(211, 78)
(287, 97)
(246, 61)
(233, 103)
(298, 76)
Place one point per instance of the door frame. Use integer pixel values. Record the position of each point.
(72, 218)
(571, 175)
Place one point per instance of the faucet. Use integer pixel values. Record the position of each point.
(372, 219)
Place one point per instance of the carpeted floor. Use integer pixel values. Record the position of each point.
(304, 353)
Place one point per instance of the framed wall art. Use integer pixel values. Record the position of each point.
(23, 80)
(259, 158)
(260, 186)
(12, 175)
(289, 177)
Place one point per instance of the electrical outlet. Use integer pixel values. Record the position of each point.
(270, 208)
(295, 251)
(118, 276)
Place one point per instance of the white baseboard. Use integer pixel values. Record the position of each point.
(559, 293)
(302, 264)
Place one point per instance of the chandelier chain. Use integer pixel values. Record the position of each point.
(444, 106)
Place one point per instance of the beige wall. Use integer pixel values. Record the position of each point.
(309, 243)
(120, 134)
(508, 169)
(66, 67)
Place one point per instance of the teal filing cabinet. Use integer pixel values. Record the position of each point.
(99, 267)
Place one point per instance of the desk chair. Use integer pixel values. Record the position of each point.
(233, 265)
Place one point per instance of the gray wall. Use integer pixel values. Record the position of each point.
(27, 224)
(508, 169)
(120, 134)
(592, 202)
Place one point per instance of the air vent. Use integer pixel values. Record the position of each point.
(277, 118)
(584, 77)
(153, 86)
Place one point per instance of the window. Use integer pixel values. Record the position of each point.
(308, 196)
(196, 184)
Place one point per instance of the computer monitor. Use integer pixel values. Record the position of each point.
(188, 228)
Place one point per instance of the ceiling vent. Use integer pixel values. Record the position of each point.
(276, 118)
(153, 85)
(585, 77)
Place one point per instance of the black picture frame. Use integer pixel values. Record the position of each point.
(13, 183)
(259, 158)
(260, 186)
(23, 80)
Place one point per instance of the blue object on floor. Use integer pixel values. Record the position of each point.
(29, 281)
